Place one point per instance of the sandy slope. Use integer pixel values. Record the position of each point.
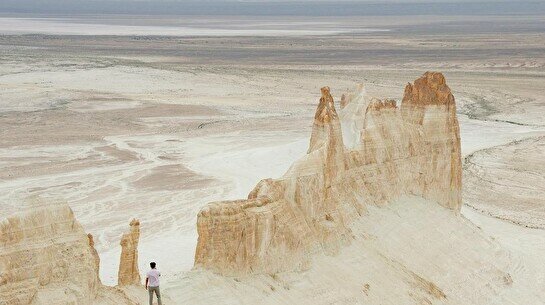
(526, 246)
(410, 252)
(507, 182)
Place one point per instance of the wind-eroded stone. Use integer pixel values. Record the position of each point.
(394, 151)
(46, 258)
(41, 254)
(128, 263)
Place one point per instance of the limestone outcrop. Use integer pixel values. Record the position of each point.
(353, 107)
(412, 149)
(46, 258)
(128, 264)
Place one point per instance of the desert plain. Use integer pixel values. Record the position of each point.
(121, 121)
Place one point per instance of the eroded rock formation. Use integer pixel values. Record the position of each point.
(94, 252)
(37, 259)
(46, 258)
(395, 151)
(353, 110)
(128, 263)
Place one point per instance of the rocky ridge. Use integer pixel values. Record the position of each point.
(412, 149)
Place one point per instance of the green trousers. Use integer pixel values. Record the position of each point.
(151, 290)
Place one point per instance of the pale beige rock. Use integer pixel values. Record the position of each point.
(94, 252)
(356, 104)
(412, 149)
(38, 258)
(128, 263)
(46, 258)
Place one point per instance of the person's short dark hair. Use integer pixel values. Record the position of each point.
(152, 265)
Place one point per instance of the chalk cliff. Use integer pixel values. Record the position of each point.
(412, 149)
(128, 263)
(46, 258)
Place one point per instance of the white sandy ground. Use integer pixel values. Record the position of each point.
(476, 134)
(404, 253)
(107, 180)
(234, 160)
(507, 182)
(75, 26)
(526, 245)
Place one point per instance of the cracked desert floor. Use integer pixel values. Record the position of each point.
(154, 127)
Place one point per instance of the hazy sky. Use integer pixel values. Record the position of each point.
(275, 7)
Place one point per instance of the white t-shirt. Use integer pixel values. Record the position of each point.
(153, 278)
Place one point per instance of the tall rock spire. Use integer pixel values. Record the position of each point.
(128, 264)
(430, 103)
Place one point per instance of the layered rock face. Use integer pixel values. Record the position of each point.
(412, 149)
(353, 107)
(128, 264)
(46, 258)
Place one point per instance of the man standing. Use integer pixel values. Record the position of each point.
(152, 283)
